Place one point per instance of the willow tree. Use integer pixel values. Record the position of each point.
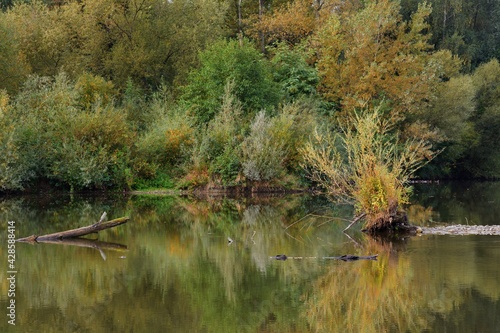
(367, 165)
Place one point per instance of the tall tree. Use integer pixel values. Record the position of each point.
(469, 28)
(372, 54)
(224, 62)
(13, 66)
(149, 41)
(482, 158)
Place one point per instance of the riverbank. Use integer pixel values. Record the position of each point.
(462, 230)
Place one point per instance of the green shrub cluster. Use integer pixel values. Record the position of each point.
(51, 136)
(217, 148)
(161, 149)
(264, 150)
(271, 150)
(234, 149)
(16, 167)
(73, 134)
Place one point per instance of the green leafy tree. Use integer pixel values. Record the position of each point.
(151, 41)
(449, 124)
(218, 146)
(13, 67)
(148, 41)
(291, 70)
(228, 61)
(468, 28)
(482, 158)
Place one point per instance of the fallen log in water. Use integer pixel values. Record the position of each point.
(75, 233)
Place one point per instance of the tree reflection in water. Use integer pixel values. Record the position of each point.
(181, 274)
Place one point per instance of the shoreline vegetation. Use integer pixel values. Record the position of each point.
(351, 98)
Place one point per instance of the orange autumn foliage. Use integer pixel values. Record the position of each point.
(373, 54)
(289, 23)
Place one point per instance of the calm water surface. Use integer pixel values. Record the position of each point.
(172, 269)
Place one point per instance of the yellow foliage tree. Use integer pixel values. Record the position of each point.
(371, 53)
(290, 23)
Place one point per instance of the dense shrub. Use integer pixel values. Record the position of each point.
(93, 89)
(265, 148)
(271, 149)
(16, 166)
(165, 145)
(218, 144)
(93, 149)
(65, 143)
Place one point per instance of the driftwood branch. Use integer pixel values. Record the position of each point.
(355, 220)
(75, 233)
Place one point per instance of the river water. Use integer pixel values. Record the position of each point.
(203, 265)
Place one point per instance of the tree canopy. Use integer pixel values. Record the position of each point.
(205, 92)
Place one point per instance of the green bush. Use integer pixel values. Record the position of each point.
(159, 181)
(93, 149)
(133, 102)
(265, 148)
(65, 143)
(16, 169)
(271, 149)
(93, 89)
(167, 143)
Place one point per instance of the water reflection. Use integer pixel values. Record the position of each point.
(179, 272)
(460, 202)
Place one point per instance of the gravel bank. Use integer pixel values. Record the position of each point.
(459, 229)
